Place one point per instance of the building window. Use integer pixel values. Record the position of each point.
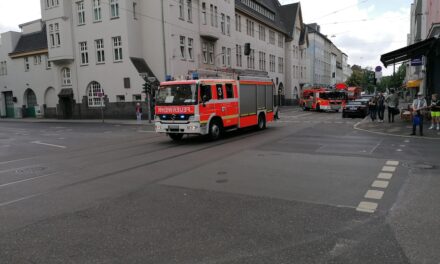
(262, 61)
(3, 68)
(228, 57)
(262, 32)
(190, 48)
(182, 47)
(181, 9)
(100, 53)
(205, 52)
(216, 16)
(51, 36)
(250, 28)
(223, 23)
(211, 8)
(281, 42)
(189, 6)
(272, 37)
(237, 23)
(37, 60)
(251, 60)
(272, 63)
(224, 56)
(211, 53)
(120, 98)
(114, 8)
(204, 18)
(95, 95)
(52, 3)
(137, 97)
(81, 13)
(280, 65)
(238, 55)
(66, 75)
(117, 48)
(84, 53)
(48, 63)
(259, 8)
(97, 16)
(228, 25)
(134, 10)
(57, 34)
(26, 64)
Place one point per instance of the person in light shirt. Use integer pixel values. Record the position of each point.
(419, 104)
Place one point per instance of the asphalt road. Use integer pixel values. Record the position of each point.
(309, 189)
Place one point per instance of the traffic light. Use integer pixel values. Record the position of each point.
(147, 87)
(247, 49)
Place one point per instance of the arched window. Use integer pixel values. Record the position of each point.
(95, 94)
(66, 75)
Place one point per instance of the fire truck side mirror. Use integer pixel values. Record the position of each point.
(204, 99)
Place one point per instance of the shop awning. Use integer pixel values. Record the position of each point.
(66, 92)
(410, 52)
(413, 84)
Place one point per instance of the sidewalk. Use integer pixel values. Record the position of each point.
(78, 121)
(399, 128)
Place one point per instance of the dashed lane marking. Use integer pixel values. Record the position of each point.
(389, 169)
(373, 194)
(26, 180)
(385, 176)
(49, 145)
(380, 184)
(367, 207)
(392, 163)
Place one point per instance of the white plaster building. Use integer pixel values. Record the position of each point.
(84, 54)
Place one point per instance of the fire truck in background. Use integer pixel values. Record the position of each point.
(354, 93)
(322, 99)
(211, 106)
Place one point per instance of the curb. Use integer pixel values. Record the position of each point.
(389, 134)
(85, 121)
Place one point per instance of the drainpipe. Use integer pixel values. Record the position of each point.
(163, 39)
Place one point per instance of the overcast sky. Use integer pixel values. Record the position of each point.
(363, 29)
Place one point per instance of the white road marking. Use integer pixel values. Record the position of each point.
(385, 176)
(399, 150)
(380, 184)
(367, 207)
(392, 163)
(373, 194)
(18, 200)
(25, 180)
(407, 141)
(389, 169)
(49, 145)
(10, 161)
(146, 131)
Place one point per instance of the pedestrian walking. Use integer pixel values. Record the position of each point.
(418, 106)
(393, 103)
(138, 112)
(372, 107)
(381, 107)
(435, 112)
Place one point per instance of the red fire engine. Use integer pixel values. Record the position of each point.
(322, 99)
(211, 106)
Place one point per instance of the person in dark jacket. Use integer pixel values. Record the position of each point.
(381, 107)
(372, 106)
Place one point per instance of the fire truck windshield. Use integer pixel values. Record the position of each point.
(333, 96)
(179, 94)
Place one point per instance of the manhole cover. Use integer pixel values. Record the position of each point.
(30, 170)
(221, 181)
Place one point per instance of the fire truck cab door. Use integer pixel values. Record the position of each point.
(207, 102)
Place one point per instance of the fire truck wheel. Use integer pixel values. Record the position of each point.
(176, 137)
(261, 122)
(215, 130)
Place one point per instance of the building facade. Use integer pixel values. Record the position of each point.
(88, 57)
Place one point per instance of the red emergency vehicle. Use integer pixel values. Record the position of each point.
(211, 106)
(354, 93)
(322, 99)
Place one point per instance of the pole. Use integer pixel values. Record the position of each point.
(102, 109)
(149, 107)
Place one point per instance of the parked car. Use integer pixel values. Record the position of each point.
(357, 108)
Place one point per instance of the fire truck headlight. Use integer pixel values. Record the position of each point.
(192, 128)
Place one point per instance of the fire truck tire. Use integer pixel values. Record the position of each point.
(176, 137)
(215, 129)
(261, 122)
